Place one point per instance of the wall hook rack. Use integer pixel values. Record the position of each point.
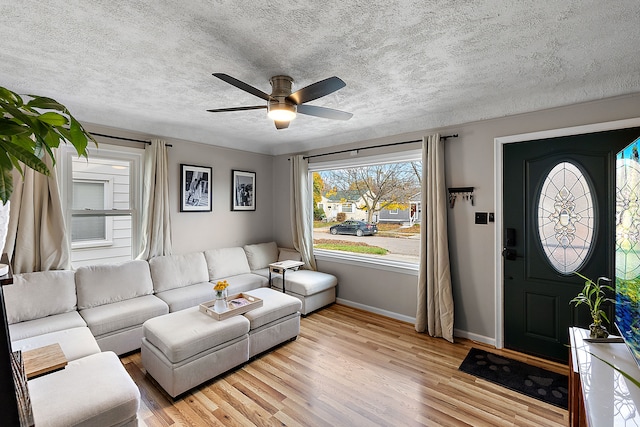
(465, 193)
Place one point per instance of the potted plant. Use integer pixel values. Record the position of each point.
(31, 130)
(593, 295)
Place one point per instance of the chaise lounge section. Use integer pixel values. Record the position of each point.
(313, 288)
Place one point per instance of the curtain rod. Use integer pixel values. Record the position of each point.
(444, 137)
(125, 139)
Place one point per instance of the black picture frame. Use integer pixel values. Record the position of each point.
(196, 188)
(243, 190)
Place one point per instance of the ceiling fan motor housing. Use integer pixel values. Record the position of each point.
(280, 89)
(281, 86)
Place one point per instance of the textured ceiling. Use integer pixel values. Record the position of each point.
(409, 65)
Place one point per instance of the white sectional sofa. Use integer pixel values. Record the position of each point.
(101, 309)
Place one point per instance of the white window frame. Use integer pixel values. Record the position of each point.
(346, 207)
(108, 203)
(360, 259)
(114, 152)
(393, 211)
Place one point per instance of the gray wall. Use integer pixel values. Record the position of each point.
(195, 231)
(469, 162)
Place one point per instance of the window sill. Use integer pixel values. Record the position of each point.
(91, 244)
(379, 263)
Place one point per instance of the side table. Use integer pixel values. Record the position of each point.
(281, 267)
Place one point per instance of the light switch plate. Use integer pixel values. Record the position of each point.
(481, 218)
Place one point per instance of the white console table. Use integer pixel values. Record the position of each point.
(599, 396)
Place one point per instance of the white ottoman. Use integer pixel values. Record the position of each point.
(92, 391)
(183, 349)
(277, 321)
(313, 288)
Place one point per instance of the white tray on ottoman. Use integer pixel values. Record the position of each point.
(183, 349)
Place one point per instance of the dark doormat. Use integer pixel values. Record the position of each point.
(532, 381)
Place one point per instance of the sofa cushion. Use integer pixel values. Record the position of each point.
(185, 333)
(275, 305)
(75, 342)
(245, 282)
(226, 262)
(92, 391)
(176, 271)
(305, 282)
(261, 255)
(121, 315)
(45, 325)
(289, 254)
(188, 296)
(104, 284)
(40, 294)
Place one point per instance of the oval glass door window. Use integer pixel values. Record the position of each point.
(566, 217)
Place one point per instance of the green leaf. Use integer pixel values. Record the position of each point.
(18, 114)
(8, 127)
(10, 97)
(24, 141)
(45, 103)
(54, 119)
(78, 137)
(6, 179)
(25, 156)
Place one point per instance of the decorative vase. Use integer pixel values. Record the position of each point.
(221, 301)
(598, 331)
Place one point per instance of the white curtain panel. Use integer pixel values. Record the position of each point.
(36, 239)
(435, 301)
(155, 238)
(301, 213)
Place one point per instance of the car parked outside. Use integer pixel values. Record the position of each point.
(359, 228)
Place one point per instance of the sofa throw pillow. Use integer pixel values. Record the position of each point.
(261, 255)
(104, 284)
(177, 271)
(226, 262)
(289, 254)
(40, 294)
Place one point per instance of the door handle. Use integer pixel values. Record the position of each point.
(509, 254)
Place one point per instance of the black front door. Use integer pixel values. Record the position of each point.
(558, 213)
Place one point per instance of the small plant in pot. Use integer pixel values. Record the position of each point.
(593, 295)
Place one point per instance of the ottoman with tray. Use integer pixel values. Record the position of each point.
(183, 349)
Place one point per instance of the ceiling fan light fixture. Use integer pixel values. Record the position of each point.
(281, 112)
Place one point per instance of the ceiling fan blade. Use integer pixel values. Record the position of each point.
(316, 90)
(327, 113)
(281, 124)
(242, 85)
(253, 107)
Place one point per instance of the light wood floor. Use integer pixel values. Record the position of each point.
(350, 368)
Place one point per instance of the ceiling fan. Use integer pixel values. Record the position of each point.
(282, 105)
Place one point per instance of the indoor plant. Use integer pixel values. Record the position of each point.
(31, 130)
(593, 295)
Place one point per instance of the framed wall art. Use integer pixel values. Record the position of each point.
(196, 188)
(243, 191)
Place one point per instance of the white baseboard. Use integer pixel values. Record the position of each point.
(377, 310)
(457, 332)
(474, 337)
